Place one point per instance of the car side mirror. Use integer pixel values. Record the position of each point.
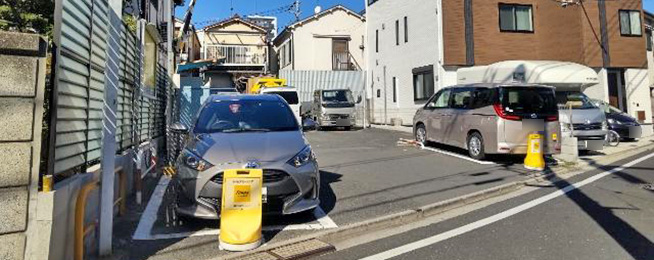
(308, 124)
(359, 99)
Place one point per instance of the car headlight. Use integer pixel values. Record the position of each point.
(303, 157)
(605, 126)
(193, 161)
(325, 116)
(613, 121)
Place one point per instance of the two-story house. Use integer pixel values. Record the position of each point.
(417, 47)
(332, 39)
(189, 48)
(241, 48)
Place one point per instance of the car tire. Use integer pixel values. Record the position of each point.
(475, 145)
(347, 128)
(421, 133)
(318, 127)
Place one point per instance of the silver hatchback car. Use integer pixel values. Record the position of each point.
(490, 118)
(247, 131)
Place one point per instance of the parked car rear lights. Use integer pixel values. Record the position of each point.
(500, 112)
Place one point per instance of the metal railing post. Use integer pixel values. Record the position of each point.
(80, 230)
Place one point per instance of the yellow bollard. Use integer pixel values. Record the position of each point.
(47, 183)
(240, 215)
(535, 159)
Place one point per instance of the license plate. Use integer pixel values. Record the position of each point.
(343, 121)
(264, 195)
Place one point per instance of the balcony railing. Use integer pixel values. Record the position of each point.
(343, 61)
(237, 55)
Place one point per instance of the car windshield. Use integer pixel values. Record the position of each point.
(574, 100)
(606, 107)
(337, 96)
(528, 100)
(290, 96)
(229, 116)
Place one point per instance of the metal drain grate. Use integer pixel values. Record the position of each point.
(302, 249)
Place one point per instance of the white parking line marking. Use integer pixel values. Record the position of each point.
(146, 223)
(323, 219)
(149, 217)
(497, 217)
(423, 147)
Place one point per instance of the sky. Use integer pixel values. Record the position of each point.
(220, 9)
(206, 10)
(648, 5)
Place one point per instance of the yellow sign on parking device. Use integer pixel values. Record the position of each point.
(535, 159)
(240, 214)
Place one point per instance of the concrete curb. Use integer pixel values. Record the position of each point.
(403, 217)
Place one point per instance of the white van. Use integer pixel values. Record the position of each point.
(290, 95)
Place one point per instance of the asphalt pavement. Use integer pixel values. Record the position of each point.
(364, 174)
(609, 216)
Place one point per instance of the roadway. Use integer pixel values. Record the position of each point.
(606, 213)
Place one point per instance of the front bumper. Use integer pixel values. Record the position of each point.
(627, 131)
(289, 190)
(337, 122)
(590, 134)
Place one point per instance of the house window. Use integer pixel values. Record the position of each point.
(394, 90)
(648, 34)
(397, 32)
(423, 83)
(516, 18)
(630, 23)
(377, 41)
(406, 30)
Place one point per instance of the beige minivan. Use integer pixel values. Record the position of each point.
(490, 118)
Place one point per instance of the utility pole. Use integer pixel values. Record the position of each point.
(108, 163)
(296, 10)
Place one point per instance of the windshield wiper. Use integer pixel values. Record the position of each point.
(239, 130)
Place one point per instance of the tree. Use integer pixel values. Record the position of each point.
(35, 16)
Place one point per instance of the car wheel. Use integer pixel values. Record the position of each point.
(318, 127)
(421, 133)
(347, 128)
(476, 146)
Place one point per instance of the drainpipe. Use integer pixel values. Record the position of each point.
(292, 50)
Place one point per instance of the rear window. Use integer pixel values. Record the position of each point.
(250, 115)
(290, 96)
(528, 100)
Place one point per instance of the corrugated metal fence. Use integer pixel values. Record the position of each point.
(80, 36)
(307, 81)
(81, 30)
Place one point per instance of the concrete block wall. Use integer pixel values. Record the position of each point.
(22, 84)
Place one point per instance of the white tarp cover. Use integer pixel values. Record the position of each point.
(556, 73)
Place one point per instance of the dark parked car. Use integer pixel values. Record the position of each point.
(625, 125)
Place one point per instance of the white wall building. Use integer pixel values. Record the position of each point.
(403, 39)
(332, 39)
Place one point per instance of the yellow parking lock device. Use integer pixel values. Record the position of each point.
(535, 159)
(240, 214)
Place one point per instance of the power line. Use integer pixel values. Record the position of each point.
(292, 8)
